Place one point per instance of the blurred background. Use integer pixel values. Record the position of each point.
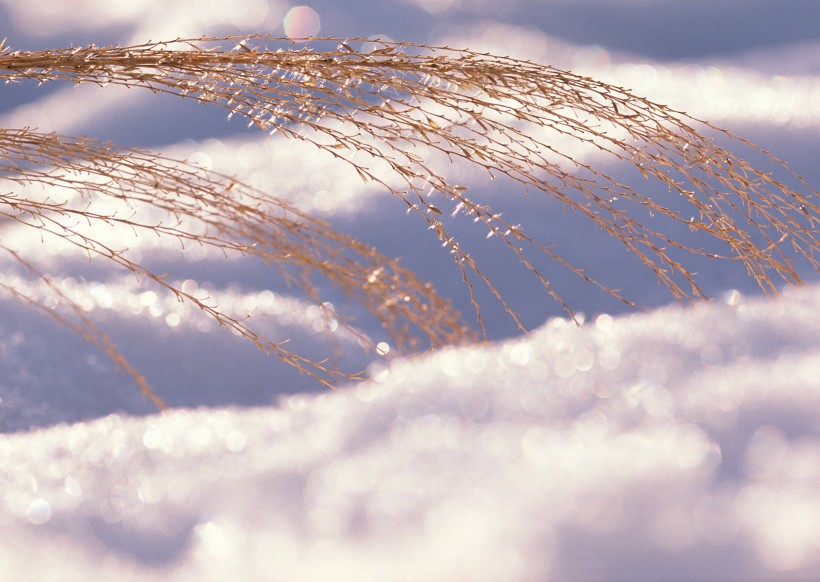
(751, 66)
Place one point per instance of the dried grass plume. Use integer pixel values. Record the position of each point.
(395, 105)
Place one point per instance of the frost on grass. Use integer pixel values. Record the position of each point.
(394, 112)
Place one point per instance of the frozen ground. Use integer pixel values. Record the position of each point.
(679, 443)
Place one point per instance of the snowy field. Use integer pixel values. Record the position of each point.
(674, 443)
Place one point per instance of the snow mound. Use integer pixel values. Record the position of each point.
(681, 443)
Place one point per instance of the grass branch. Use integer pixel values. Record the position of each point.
(399, 114)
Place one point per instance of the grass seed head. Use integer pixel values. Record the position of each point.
(399, 107)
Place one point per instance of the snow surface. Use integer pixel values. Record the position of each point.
(678, 443)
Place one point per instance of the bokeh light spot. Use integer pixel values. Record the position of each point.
(39, 511)
(301, 22)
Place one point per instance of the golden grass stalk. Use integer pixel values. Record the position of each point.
(80, 323)
(398, 106)
(69, 175)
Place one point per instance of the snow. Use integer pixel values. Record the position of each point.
(681, 442)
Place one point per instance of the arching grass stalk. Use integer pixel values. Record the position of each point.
(398, 106)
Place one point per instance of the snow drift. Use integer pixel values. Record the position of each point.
(681, 444)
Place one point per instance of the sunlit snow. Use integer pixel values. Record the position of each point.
(681, 442)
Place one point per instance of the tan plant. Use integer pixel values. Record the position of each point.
(400, 107)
